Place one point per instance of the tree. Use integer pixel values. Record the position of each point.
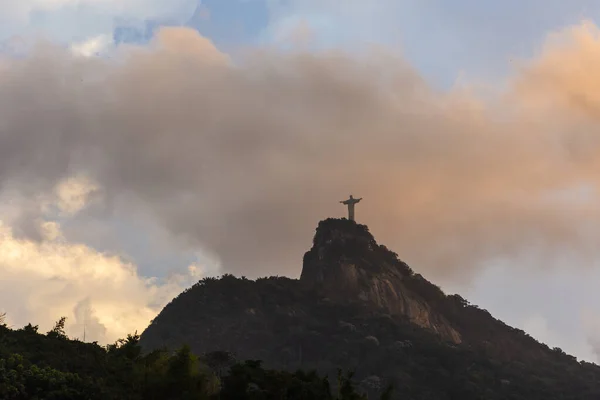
(58, 331)
(128, 347)
(219, 361)
(346, 390)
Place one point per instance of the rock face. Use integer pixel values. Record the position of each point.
(345, 264)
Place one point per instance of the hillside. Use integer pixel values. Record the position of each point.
(53, 367)
(357, 306)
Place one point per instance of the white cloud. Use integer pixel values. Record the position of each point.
(42, 281)
(73, 194)
(51, 277)
(93, 46)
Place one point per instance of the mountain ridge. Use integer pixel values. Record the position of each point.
(358, 306)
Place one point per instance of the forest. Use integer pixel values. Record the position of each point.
(52, 366)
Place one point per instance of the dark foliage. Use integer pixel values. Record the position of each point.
(53, 367)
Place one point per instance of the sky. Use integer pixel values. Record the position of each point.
(145, 144)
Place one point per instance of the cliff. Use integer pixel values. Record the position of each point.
(346, 264)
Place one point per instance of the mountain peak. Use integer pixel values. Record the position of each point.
(346, 264)
(340, 228)
(343, 241)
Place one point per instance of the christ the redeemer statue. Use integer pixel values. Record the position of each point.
(350, 203)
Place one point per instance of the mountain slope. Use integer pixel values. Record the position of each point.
(52, 366)
(357, 306)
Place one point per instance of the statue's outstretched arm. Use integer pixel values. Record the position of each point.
(359, 199)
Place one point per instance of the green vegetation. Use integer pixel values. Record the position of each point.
(54, 367)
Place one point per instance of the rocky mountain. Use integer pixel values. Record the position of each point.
(346, 263)
(358, 307)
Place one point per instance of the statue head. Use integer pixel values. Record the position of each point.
(351, 197)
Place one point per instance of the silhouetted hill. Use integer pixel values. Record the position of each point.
(357, 306)
(53, 367)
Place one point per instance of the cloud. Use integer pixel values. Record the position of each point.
(244, 158)
(439, 37)
(355, 24)
(86, 21)
(546, 305)
(102, 294)
(297, 33)
(45, 275)
(93, 46)
(591, 325)
(537, 326)
(74, 193)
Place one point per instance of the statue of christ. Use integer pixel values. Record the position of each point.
(350, 203)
